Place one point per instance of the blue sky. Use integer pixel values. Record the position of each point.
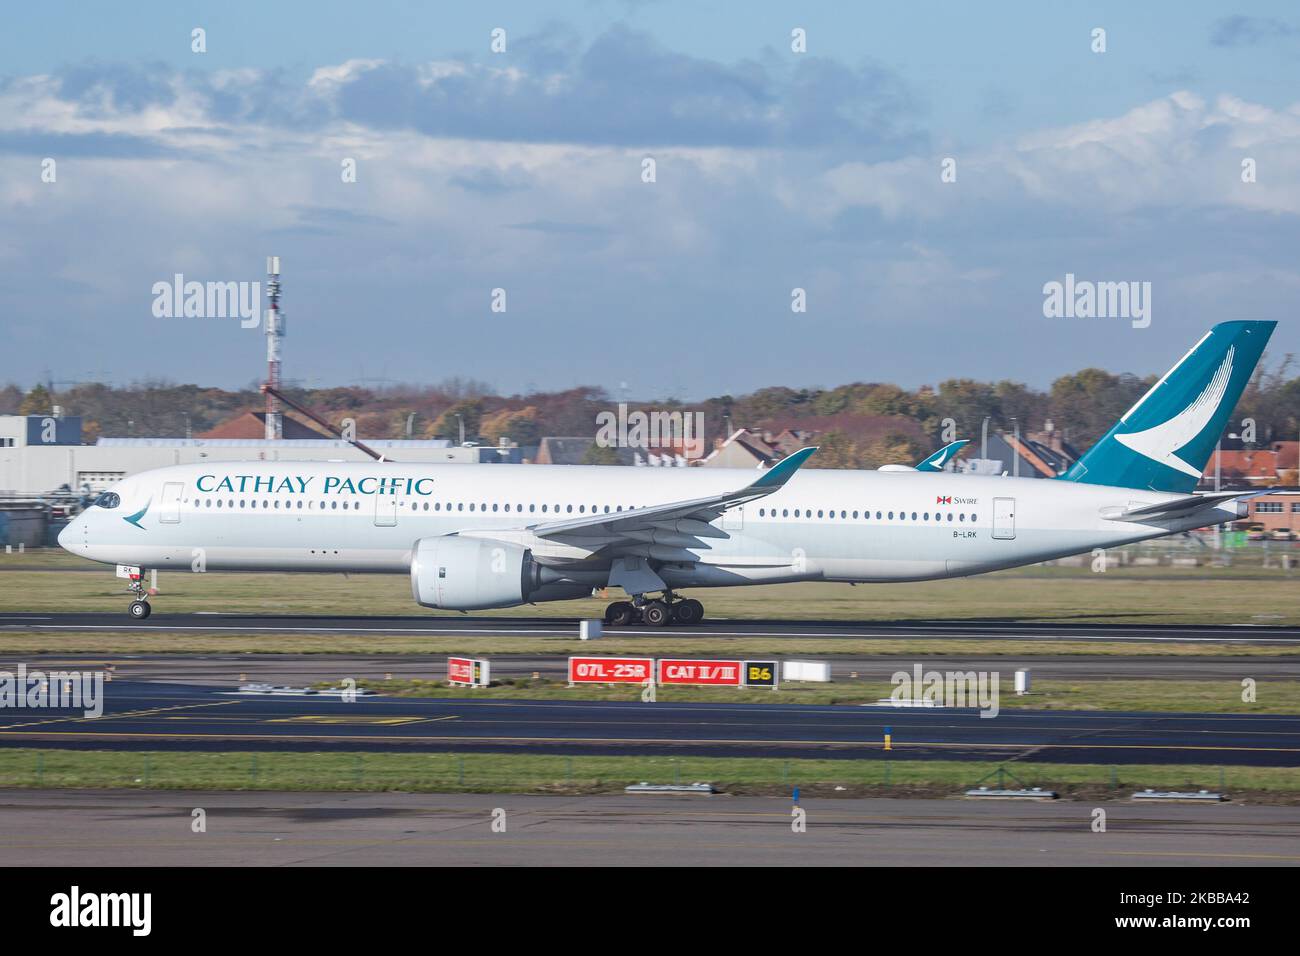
(522, 170)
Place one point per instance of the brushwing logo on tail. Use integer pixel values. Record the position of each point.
(1161, 441)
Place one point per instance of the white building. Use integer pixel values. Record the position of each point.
(41, 453)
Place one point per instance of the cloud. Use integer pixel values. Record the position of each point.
(622, 89)
(524, 172)
(36, 142)
(1240, 31)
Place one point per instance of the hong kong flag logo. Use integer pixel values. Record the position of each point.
(943, 500)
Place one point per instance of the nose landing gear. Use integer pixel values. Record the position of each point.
(140, 607)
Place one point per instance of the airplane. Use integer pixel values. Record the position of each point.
(475, 537)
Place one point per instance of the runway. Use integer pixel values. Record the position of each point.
(157, 716)
(230, 670)
(133, 828)
(498, 625)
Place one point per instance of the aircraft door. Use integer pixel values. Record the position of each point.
(170, 510)
(1004, 518)
(385, 511)
(733, 519)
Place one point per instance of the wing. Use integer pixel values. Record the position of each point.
(677, 524)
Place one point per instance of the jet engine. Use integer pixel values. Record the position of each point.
(471, 574)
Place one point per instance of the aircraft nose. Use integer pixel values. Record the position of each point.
(67, 537)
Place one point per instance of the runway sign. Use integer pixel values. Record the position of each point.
(468, 670)
(806, 670)
(610, 670)
(711, 673)
(759, 674)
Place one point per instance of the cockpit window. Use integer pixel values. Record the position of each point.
(108, 499)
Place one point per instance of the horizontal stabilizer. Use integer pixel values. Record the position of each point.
(1177, 507)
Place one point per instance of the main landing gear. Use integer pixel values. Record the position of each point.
(657, 613)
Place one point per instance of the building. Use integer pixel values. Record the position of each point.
(41, 454)
(744, 449)
(578, 450)
(1277, 512)
(1032, 455)
(1254, 467)
(253, 425)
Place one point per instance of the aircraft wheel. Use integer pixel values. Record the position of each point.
(656, 614)
(620, 614)
(140, 610)
(688, 613)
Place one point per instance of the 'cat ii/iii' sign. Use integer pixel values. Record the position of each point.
(719, 673)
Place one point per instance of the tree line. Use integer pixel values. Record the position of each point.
(862, 424)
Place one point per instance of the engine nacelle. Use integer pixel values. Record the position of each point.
(471, 574)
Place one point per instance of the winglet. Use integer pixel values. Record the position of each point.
(783, 470)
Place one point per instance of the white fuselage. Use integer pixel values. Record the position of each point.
(826, 525)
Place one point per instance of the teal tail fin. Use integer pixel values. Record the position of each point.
(941, 457)
(1164, 441)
